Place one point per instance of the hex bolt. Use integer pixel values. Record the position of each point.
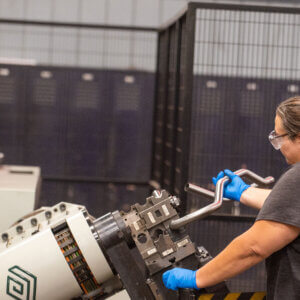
(4, 237)
(175, 202)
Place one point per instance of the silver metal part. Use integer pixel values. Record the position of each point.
(175, 202)
(190, 187)
(149, 229)
(157, 194)
(218, 197)
(260, 181)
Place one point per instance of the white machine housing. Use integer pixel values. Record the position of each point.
(33, 265)
(19, 192)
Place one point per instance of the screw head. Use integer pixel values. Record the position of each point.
(175, 202)
(19, 229)
(62, 207)
(48, 214)
(33, 221)
(4, 237)
(157, 194)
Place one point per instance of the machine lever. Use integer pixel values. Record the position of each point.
(218, 196)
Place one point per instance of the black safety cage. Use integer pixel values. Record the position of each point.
(222, 70)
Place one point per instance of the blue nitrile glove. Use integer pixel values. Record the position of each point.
(180, 278)
(234, 188)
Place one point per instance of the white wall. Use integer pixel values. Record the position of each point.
(121, 12)
(150, 13)
(89, 48)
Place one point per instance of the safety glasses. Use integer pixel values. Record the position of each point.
(276, 140)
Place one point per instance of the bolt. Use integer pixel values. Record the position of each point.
(19, 229)
(48, 214)
(33, 222)
(175, 202)
(157, 194)
(4, 237)
(62, 207)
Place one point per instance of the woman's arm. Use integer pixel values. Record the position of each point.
(259, 242)
(254, 197)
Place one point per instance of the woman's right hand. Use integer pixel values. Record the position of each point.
(233, 188)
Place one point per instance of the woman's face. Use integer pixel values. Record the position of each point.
(290, 148)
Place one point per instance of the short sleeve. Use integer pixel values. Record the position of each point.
(283, 203)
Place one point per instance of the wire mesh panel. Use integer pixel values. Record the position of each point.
(237, 63)
(213, 121)
(171, 104)
(45, 126)
(241, 56)
(11, 111)
(183, 107)
(87, 122)
(130, 125)
(161, 95)
(87, 114)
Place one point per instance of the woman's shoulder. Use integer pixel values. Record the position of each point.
(291, 174)
(296, 165)
(292, 170)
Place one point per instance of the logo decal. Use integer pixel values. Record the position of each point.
(21, 285)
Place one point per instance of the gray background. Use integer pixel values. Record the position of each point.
(117, 12)
(87, 48)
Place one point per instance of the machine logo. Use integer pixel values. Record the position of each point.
(21, 285)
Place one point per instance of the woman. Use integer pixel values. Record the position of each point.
(275, 233)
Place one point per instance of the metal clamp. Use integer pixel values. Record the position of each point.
(218, 196)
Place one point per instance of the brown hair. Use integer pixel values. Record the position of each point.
(289, 112)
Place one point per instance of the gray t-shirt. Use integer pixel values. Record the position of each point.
(283, 266)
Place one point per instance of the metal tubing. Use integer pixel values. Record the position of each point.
(218, 197)
(260, 181)
(190, 187)
(204, 211)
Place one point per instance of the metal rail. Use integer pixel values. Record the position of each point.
(218, 196)
(75, 25)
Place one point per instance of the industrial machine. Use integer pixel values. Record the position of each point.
(62, 252)
(19, 191)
